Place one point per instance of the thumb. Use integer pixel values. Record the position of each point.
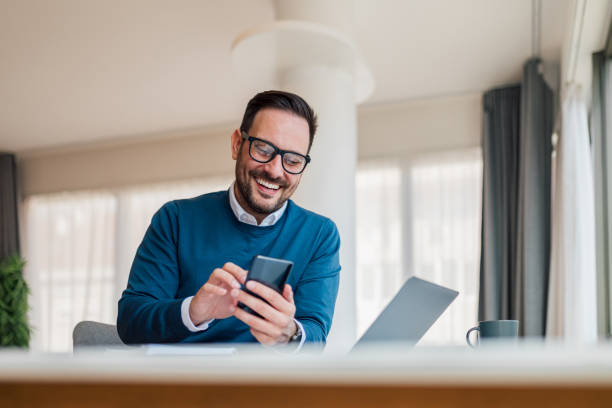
(288, 293)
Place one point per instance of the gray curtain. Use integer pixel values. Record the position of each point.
(500, 146)
(600, 129)
(9, 225)
(515, 254)
(533, 247)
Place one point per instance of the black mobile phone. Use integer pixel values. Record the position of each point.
(272, 272)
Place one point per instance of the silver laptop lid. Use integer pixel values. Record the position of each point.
(409, 315)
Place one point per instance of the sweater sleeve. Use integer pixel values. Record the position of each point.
(148, 310)
(316, 292)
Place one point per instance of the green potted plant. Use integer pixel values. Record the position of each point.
(14, 328)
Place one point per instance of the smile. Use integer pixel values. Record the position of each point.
(267, 184)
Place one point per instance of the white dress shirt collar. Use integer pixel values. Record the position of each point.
(247, 218)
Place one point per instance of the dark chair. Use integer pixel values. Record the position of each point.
(90, 334)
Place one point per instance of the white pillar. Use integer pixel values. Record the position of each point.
(308, 52)
(334, 14)
(328, 185)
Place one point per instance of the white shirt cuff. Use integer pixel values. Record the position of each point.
(187, 319)
(303, 339)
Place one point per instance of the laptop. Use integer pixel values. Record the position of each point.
(409, 315)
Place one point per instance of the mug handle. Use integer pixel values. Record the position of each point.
(467, 336)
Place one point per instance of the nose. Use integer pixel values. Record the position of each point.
(275, 167)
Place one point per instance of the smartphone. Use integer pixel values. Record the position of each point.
(271, 272)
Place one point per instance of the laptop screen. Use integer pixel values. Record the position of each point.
(409, 315)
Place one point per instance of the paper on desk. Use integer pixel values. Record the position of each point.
(187, 350)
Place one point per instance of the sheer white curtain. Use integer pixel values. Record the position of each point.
(446, 216)
(70, 249)
(572, 299)
(80, 247)
(379, 238)
(420, 217)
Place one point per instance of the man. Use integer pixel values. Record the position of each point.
(184, 285)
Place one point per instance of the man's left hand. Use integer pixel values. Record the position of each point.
(277, 325)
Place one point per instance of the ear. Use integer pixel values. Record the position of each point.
(236, 142)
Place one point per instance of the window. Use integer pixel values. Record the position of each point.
(379, 239)
(421, 218)
(601, 132)
(70, 270)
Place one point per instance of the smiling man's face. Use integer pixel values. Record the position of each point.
(262, 188)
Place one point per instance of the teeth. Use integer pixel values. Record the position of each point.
(266, 184)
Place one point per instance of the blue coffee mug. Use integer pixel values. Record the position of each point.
(494, 329)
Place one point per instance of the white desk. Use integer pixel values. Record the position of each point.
(386, 376)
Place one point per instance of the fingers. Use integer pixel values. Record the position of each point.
(288, 293)
(224, 276)
(263, 338)
(236, 271)
(276, 316)
(275, 299)
(260, 325)
(264, 309)
(215, 290)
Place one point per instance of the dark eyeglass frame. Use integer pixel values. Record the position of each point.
(282, 153)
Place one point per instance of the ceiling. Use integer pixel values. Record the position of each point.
(75, 72)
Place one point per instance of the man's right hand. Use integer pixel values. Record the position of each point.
(217, 298)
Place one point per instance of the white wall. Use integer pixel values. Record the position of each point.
(123, 164)
(419, 126)
(390, 130)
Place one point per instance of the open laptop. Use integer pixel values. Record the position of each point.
(412, 311)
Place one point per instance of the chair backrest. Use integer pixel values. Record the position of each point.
(88, 333)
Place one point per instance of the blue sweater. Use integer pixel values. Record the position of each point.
(188, 239)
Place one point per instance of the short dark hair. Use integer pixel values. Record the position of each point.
(285, 101)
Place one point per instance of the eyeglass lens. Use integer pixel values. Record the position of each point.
(264, 152)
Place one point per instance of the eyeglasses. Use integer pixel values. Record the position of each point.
(263, 152)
